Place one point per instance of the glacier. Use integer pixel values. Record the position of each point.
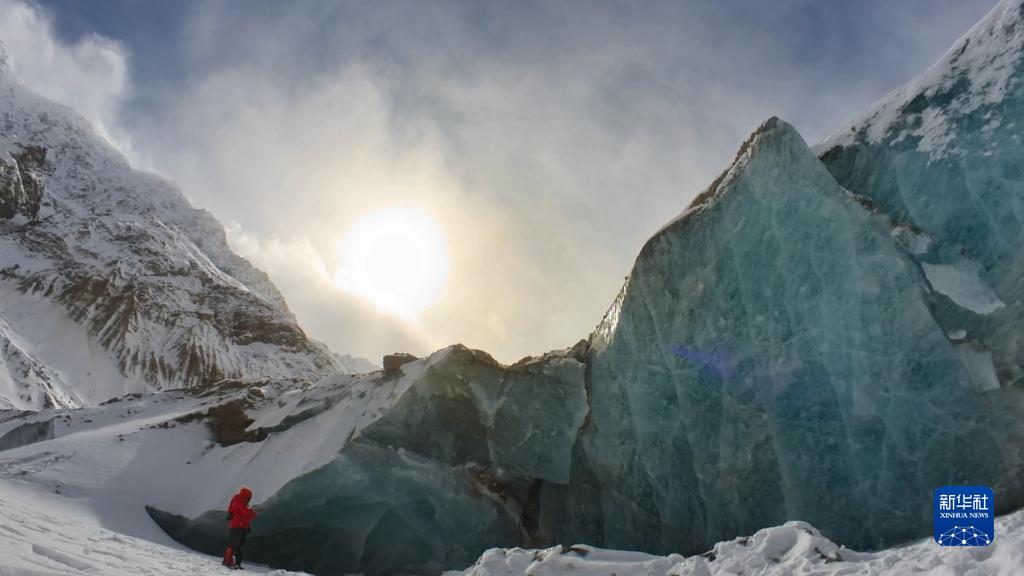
(824, 389)
(796, 370)
(457, 461)
(825, 335)
(944, 156)
(47, 534)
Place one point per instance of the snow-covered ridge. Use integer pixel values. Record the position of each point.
(977, 71)
(121, 253)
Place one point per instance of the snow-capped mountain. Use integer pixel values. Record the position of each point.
(110, 282)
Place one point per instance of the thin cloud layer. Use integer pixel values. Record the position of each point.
(90, 74)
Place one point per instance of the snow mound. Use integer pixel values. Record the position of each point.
(793, 548)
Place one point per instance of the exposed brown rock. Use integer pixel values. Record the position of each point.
(227, 423)
(21, 182)
(393, 362)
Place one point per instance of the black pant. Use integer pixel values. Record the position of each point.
(236, 540)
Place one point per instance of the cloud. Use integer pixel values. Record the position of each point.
(90, 75)
(548, 140)
(301, 167)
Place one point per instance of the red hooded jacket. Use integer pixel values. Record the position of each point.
(239, 511)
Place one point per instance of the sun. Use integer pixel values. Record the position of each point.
(396, 258)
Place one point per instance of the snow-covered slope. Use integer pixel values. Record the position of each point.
(979, 72)
(46, 534)
(188, 450)
(116, 265)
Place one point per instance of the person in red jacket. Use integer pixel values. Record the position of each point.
(240, 517)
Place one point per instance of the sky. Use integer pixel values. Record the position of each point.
(543, 142)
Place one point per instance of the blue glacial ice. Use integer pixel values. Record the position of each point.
(774, 356)
(824, 335)
(943, 156)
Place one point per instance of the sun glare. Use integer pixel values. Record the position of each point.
(397, 259)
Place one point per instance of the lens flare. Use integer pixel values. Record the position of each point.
(396, 258)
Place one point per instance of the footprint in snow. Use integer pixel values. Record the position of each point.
(62, 558)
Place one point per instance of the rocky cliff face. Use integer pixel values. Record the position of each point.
(21, 187)
(122, 254)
